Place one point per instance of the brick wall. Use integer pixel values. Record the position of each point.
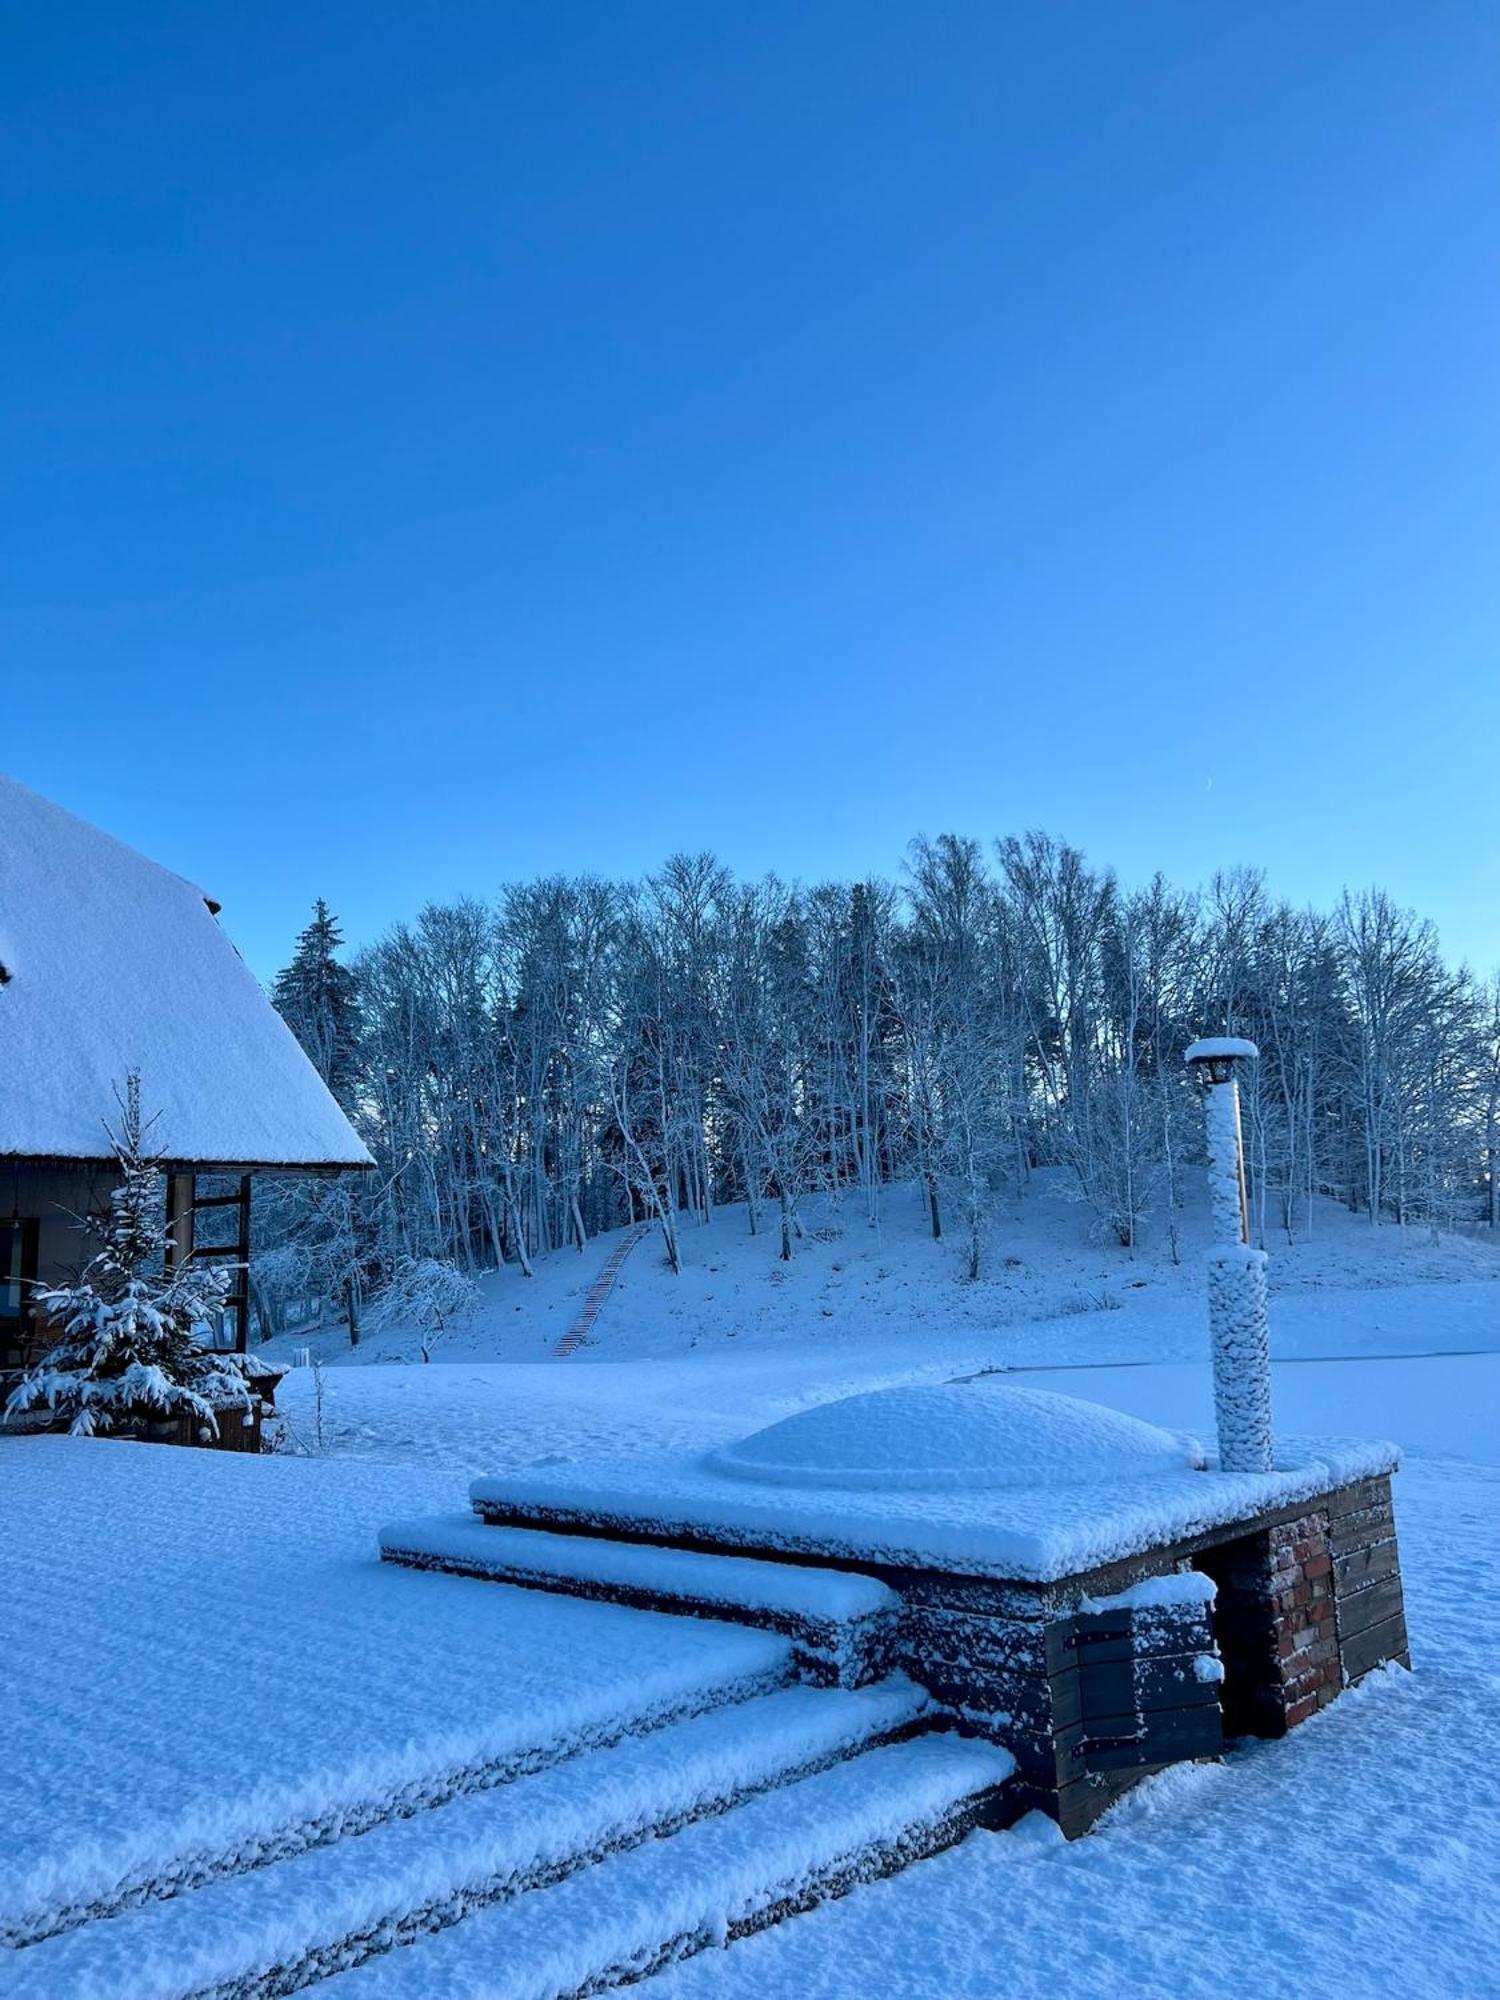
(1302, 1618)
(1306, 1607)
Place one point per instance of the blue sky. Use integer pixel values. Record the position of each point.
(445, 444)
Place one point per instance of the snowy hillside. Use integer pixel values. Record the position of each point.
(848, 1282)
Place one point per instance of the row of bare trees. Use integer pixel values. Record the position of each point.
(583, 1053)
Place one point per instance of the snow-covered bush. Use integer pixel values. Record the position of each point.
(429, 1294)
(127, 1348)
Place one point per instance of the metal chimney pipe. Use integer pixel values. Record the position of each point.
(1239, 1332)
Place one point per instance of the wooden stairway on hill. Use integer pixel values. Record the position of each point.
(598, 1292)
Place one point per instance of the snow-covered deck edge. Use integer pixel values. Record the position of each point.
(737, 1583)
(1023, 1536)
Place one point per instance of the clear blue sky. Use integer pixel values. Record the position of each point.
(447, 443)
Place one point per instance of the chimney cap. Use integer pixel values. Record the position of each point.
(1220, 1050)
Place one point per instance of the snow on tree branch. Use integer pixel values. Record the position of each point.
(127, 1346)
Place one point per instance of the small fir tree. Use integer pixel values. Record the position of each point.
(127, 1347)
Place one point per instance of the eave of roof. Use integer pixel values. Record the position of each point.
(171, 1166)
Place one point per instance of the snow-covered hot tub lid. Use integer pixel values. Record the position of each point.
(956, 1436)
(981, 1478)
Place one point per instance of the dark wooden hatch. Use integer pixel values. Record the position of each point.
(1133, 1689)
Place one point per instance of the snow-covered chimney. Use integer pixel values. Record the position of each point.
(1238, 1328)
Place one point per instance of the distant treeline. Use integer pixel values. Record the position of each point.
(582, 1052)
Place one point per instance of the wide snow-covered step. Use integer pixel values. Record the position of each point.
(661, 1674)
(843, 1624)
(282, 1926)
(715, 1881)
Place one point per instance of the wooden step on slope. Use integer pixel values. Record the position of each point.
(716, 1881)
(275, 1929)
(842, 1625)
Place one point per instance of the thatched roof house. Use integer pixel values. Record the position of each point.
(110, 964)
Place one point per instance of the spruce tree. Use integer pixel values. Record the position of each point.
(128, 1349)
(318, 998)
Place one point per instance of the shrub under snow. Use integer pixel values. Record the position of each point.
(431, 1295)
(128, 1347)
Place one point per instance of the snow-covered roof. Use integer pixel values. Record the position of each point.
(109, 963)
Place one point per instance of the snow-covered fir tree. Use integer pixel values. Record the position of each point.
(127, 1348)
(318, 998)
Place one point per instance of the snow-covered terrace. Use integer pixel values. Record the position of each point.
(203, 1652)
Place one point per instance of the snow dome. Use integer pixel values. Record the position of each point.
(970, 1435)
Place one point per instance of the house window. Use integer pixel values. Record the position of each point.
(222, 1333)
(18, 1243)
(208, 1218)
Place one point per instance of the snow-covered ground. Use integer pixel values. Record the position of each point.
(858, 1308)
(203, 1646)
(1044, 1263)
